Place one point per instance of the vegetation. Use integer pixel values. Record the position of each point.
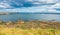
(32, 27)
(18, 31)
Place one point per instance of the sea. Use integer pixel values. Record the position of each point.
(30, 16)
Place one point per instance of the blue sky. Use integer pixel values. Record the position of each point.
(30, 6)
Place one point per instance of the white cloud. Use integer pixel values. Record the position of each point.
(32, 9)
(44, 1)
(4, 5)
(57, 5)
(43, 8)
(50, 1)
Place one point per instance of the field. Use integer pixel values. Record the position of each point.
(18, 31)
(32, 27)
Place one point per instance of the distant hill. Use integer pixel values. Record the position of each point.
(36, 13)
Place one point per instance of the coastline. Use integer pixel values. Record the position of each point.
(31, 24)
(2, 13)
(31, 27)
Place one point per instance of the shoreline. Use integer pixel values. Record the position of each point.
(30, 24)
(2, 13)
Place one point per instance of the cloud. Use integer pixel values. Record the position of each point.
(32, 9)
(24, 3)
(43, 1)
(4, 5)
(47, 6)
(49, 1)
(56, 7)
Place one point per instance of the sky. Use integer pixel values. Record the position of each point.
(30, 6)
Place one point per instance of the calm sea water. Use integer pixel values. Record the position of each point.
(15, 17)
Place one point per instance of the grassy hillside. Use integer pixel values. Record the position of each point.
(38, 31)
(30, 24)
(32, 27)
